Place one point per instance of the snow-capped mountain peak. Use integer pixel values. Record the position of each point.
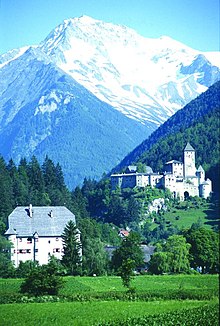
(50, 93)
(125, 69)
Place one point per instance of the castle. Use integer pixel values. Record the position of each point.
(182, 179)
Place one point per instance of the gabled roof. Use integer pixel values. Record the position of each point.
(189, 147)
(45, 220)
(10, 231)
(200, 169)
(123, 233)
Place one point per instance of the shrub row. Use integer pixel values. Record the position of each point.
(191, 294)
(202, 316)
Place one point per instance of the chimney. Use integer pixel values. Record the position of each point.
(30, 210)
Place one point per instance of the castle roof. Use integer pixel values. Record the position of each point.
(200, 169)
(189, 147)
(45, 220)
(131, 168)
(173, 161)
(205, 183)
(148, 169)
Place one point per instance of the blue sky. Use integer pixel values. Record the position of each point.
(192, 22)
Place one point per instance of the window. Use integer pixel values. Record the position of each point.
(29, 240)
(48, 241)
(57, 239)
(56, 250)
(28, 251)
(20, 239)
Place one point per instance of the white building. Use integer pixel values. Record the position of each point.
(35, 232)
(182, 179)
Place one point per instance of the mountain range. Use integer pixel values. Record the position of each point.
(92, 91)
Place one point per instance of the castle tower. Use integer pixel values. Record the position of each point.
(200, 173)
(189, 161)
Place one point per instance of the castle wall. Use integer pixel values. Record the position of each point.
(181, 179)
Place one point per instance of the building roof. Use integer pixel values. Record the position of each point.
(131, 168)
(174, 161)
(123, 233)
(149, 169)
(205, 183)
(148, 251)
(45, 220)
(200, 169)
(189, 147)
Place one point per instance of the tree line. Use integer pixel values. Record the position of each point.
(100, 213)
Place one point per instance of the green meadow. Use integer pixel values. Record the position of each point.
(207, 215)
(104, 301)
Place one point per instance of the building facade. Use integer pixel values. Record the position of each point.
(35, 232)
(181, 178)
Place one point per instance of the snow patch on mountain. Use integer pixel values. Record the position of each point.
(12, 55)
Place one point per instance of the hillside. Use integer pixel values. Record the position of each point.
(197, 123)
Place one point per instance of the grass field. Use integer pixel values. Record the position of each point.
(82, 285)
(86, 313)
(208, 214)
(97, 310)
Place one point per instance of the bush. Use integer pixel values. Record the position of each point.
(43, 280)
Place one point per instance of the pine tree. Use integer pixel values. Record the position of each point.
(6, 192)
(72, 249)
(36, 180)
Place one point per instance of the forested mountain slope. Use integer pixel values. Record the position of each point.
(197, 123)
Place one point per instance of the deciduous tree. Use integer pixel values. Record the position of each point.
(128, 257)
(204, 249)
(171, 257)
